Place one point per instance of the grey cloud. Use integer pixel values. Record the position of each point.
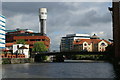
(63, 18)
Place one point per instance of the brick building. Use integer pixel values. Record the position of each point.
(90, 45)
(11, 33)
(83, 42)
(29, 36)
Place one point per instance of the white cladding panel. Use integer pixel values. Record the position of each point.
(2, 45)
(2, 41)
(2, 36)
(1, 31)
(1, 23)
(80, 38)
(43, 13)
(1, 18)
(1, 27)
(69, 35)
(82, 35)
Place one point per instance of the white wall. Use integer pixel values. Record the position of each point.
(99, 45)
(25, 51)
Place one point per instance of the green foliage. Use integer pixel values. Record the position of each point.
(20, 41)
(39, 47)
(16, 60)
(6, 60)
(44, 57)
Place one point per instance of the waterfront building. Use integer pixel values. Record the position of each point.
(12, 36)
(29, 36)
(21, 49)
(11, 33)
(67, 42)
(83, 42)
(90, 45)
(2, 32)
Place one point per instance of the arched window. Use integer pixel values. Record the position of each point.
(85, 44)
(103, 44)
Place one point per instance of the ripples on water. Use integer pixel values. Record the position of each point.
(58, 70)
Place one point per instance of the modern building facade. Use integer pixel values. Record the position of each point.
(2, 31)
(67, 42)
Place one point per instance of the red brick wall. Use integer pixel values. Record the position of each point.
(28, 38)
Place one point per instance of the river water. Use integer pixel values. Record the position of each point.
(59, 70)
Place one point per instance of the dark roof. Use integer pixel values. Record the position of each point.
(94, 41)
(95, 37)
(78, 36)
(23, 47)
(29, 34)
(16, 30)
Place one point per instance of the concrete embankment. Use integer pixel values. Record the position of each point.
(84, 61)
(16, 60)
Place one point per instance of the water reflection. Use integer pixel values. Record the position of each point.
(58, 70)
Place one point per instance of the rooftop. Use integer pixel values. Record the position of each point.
(14, 30)
(89, 41)
(71, 35)
(29, 34)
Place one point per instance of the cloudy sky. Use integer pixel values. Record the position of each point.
(63, 18)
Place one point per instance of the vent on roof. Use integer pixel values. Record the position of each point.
(77, 40)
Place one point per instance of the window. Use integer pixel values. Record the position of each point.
(32, 39)
(85, 49)
(38, 39)
(43, 39)
(77, 40)
(85, 44)
(102, 44)
(14, 40)
(26, 39)
(42, 13)
(31, 44)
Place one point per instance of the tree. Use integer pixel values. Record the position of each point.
(20, 41)
(39, 47)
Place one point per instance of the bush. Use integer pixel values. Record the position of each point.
(6, 60)
(16, 60)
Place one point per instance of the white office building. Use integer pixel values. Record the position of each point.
(2, 32)
(67, 42)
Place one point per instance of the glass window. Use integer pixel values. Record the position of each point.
(32, 39)
(38, 39)
(102, 44)
(85, 44)
(43, 39)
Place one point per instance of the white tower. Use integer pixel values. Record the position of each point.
(43, 17)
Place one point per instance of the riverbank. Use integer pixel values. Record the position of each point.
(84, 61)
(16, 60)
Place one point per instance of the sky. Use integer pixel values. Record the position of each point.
(63, 18)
